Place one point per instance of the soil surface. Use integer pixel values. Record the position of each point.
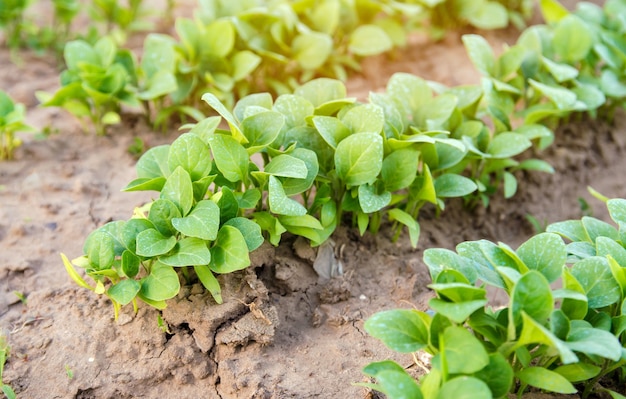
(281, 333)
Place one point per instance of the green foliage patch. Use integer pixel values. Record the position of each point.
(11, 121)
(562, 340)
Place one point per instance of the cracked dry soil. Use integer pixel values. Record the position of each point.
(281, 333)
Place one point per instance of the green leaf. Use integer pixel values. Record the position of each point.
(331, 129)
(10, 393)
(280, 203)
(231, 158)
(534, 333)
(158, 54)
(74, 274)
(573, 307)
(597, 228)
(154, 163)
(401, 330)
(572, 39)
(295, 109)
(532, 295)
(372, 201)
(190, 153)
(594, 341)
(285, 165)
(453, 185)
(244, 63)
(294, 186)
(615, 395)
(179, 189)
(536, 165)
(359, 158)
(393, 380)
(573, 230)
(217, 105)
(130, 229)
(464, 388)
(545, 253)
(151, 243)
(160, 84)
(498, 375)
(508, 144)
(367, 40)
(219, 38)
(306, 226)
(439, 259)
(162, 212)
(259, 102)
(250, 230)
(124, 291)
(230, 252)
(228, 204)
(480, 54)
(400, 169)
(161, 284)
(77, 52)
(189, 251)
(408, 92)
(100, 249)
(606, 246)
(488, 256)
(423, 187)
(408, 221)
(564, 99)
(312, 49)
(591, 95)
(435, 114)
(202, 222)
(209, 282)
(249, 198)
(145, 184)
(548, 380)
(510, 185)
(130, 264)
(553, 11)
(595, 276)
(366, 118)
(457, 291)
(322, 90)
(617, 210)
(464, 353)
(612, 85)
(578, 372)
(262, 129)
(457, 312)
(448, 153)
(560, 72)
(111, 118)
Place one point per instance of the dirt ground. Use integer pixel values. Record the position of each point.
(281, 333)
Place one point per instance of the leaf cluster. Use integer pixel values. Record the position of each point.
(11, 121)
(4, 354)
(296, 164)
(554, 339)
(188, 227)
(108, 16)
(231, 50)
(575, 64)
(482, 14)
(98, 80)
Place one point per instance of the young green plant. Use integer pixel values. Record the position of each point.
(98, 80)
(563, 340)
(11, 122)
